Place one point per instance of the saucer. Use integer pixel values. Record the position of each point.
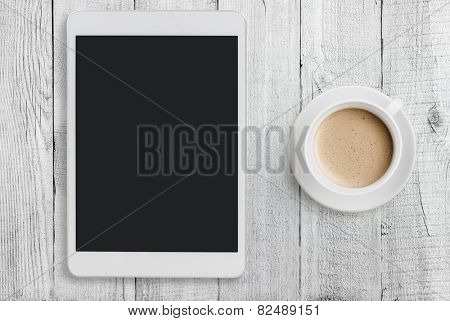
(350, 202)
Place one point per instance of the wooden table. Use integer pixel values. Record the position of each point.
(296, 249)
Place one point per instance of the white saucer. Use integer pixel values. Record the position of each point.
(372, 198)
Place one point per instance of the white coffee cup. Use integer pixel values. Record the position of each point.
(303, 157)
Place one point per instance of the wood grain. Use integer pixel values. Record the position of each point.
(176, 4)
(26, 150)
(66, 286)
(416, 226)
(273, 66)
(296, 49)
(340, 252)
(176, 289)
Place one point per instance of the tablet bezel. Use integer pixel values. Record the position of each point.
(154, 264)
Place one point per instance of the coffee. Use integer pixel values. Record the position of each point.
(353, 147)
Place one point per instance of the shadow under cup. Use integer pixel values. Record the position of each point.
(338, 150)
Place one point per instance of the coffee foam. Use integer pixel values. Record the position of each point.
(353, 147)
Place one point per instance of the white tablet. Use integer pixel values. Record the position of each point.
(156, 104)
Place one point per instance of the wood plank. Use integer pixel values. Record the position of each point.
(176, 4)
(176, 289)
(272, 242)
(339, 255)
(340, 252)
(68, 287)
(416, 227)
(26, 150)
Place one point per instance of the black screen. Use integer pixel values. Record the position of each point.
(156, 143)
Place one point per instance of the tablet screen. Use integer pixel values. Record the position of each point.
(156, 143)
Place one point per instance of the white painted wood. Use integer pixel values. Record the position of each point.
(340, 252)
(26, 150)
(66, 286)
(176, 289)
(398, 252)
(273, 263)
(416, 227)
(176, 4)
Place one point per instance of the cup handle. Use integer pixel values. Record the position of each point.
(394, 107)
